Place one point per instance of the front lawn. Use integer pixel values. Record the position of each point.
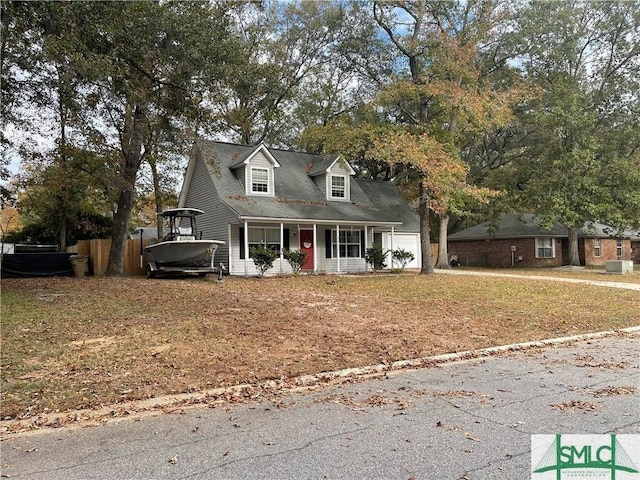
(72, 343)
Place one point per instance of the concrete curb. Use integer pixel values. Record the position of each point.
(269, 389)
(454, 357)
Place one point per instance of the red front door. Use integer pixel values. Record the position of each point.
(306, 246)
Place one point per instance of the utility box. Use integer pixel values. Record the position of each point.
(619, 266)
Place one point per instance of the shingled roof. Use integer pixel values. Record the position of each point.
(300, 195)
(526, 225)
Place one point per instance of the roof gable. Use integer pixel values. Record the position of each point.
(325, 165)
(245, 157)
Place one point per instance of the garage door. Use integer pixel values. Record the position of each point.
(406, 241)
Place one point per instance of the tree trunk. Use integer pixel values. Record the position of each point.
(443, 254)
(64, 181)
(425, 237)
(132, 150)
(62, 231)
(157, 193)
(574, 255)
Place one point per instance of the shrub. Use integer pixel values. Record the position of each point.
(376, 257)
(295, 258)
(263, 258)
(402, 257)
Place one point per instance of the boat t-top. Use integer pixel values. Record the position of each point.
(182, 250)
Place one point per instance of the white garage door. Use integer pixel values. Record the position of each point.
(406, 241)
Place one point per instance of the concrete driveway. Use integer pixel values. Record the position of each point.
(469, 419)
(551, 278)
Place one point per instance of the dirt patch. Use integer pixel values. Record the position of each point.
(94, 343)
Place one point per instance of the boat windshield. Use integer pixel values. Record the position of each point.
(181, 228)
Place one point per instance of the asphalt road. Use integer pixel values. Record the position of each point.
(461, 420)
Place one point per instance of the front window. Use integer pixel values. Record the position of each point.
(269, 237)
(597, 247)
(544, 248)
(259, 180)
(338, 186)
(349, 243)
(619, 247)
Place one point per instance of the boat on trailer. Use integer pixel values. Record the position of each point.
(182, 250)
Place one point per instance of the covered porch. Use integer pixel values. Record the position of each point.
(331, 246)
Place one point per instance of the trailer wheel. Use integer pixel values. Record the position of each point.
(150, 272)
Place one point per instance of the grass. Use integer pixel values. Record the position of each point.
(73, 344)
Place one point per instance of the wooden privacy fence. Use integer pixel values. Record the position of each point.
(98, 252)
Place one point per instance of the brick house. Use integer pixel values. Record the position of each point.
(517, 241)
(635, 248)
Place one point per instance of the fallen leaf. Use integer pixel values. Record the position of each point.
(471, 437)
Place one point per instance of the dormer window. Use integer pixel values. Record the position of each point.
(338, 187)
(259, 180)
(334, 177)
(256, 171)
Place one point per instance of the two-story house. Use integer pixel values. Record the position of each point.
(291, 200)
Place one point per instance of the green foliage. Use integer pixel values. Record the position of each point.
(579, 161)
(263, 258)
(285, 48)
(402, 257)
(45, 230)
(376, 257)
(296, 259)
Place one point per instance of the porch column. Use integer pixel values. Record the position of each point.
(338, 247)
(246, 248)
(281, 244)
(393, 232)
(366, 245)
(315, 246)
(230, 243)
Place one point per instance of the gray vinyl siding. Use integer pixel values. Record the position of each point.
(241, 175)
(321, 181)
(217, 216)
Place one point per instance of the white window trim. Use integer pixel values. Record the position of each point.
(597, 247)
(347, 188)
(251, 244)
(619, 248)
(335, 243)
(539, 245)
(250, 190)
